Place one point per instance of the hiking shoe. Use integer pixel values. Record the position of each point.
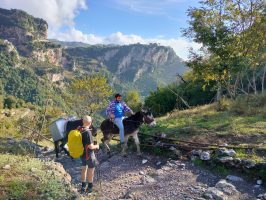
(83, 191)
(89, 189)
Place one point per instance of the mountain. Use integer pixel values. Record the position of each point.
(24, 46)
(29, 35)
(136, 66)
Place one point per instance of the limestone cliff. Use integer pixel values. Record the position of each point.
(29, 35)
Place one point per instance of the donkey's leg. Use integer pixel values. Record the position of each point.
(64, 141)
(56, 148)
(105, 142)
(124, 147)
(136, 138)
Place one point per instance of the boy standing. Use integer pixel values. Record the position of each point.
(88, 158)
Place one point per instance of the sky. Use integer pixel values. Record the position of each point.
(114, 21)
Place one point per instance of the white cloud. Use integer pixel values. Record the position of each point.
(61, 13)
(57, 13)
(180, 45)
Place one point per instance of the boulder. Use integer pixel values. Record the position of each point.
(222, 191)
(213, 193)
(205, 155)
(234, 178)
(226, 159)
(225, 152)
(249, 163)
(262, 196)
(227, 188)
(7, 167)
(196, 152)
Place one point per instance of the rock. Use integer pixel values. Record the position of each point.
(144, 161)
(196, 152)
(166, 168)
(158, 163)
(222, 191)
(141, 173)
(7, 167)
(262, 196)
(147, 179)
(249, 163)
(227, 188)
(225, 152)
(205, 155)
(234, 178)
(172, 148)
(225, 159)
(213, 193)
(259, 182)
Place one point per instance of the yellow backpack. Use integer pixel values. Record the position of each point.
(75, 146)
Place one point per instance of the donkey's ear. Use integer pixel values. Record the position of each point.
(143, 109)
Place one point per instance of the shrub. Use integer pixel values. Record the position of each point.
(10, 102)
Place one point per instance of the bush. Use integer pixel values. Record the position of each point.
(168, 98)
(133, 100)
(10, 102)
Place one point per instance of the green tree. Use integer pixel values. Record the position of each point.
(88, 94)
(133, 100)
(10, 102)
(232, 33)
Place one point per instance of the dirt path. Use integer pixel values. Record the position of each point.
(151, 177)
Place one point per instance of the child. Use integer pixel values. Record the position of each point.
(88, 158)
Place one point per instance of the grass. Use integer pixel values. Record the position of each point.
(239, 122)
(29, 178)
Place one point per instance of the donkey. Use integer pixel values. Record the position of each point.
(64, 141)
(131, 126)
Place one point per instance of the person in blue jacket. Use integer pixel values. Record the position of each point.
(116, 112)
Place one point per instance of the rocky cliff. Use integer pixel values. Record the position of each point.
(141, 66)
(135, 66)
(29, 35)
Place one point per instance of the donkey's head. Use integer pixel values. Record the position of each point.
(93, 130)
(148, 117)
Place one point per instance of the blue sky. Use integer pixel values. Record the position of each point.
(114, 21)
(147, 19)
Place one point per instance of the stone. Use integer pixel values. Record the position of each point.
(225, 159)
(225, 152)
(234, 178)
(7, 167)
(144, 161)
(158, 163)
(172, 148)
(262, 196)
(205, 155)
(249, 163)
(196, 152)
(141, 173)
(226, 188)
(259, 182)
(213, 193)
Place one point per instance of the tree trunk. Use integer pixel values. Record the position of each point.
(219, 92)
(254, 82)
(263, 80)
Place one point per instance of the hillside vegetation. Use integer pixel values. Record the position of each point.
(232, 122)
